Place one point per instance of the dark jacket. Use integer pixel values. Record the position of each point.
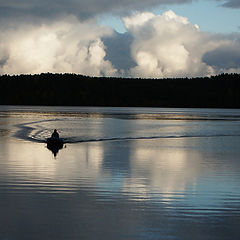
(55, 135)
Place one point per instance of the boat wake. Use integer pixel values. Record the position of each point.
(39, 131)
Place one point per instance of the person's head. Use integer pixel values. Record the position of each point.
(55, 130)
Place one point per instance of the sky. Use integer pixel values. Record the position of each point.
(128, 38)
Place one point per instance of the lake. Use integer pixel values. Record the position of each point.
(123, 173)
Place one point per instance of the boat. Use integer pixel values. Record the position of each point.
(54, 143)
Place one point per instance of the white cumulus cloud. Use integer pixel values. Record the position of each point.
(157, 46)
(169, 45)
(65, 46)
(166, 45)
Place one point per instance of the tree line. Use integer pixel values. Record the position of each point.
(221, 91)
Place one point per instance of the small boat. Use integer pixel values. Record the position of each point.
(54, 143)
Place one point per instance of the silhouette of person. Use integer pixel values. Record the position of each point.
(55, 134)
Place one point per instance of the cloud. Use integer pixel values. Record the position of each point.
(232, 4)
(81, 8)
(225, 58)
(158, 46)
(168, 45)
(66, 46)
(118, 52)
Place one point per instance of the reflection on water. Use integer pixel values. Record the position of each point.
(139, 179)
(54, 150)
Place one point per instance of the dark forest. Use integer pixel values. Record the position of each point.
(222, 91)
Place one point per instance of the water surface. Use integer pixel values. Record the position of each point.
(124, 173)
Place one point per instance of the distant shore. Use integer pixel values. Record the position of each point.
(222, 91)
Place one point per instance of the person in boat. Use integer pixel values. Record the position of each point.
(55, 134)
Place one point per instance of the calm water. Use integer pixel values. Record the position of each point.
(124, 173)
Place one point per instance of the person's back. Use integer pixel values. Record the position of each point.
(55, 134)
